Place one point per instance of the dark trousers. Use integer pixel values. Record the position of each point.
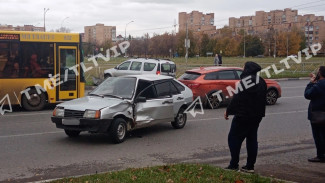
(241, 128)
(319, 138)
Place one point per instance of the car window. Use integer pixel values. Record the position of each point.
(166, 68)
(136, 66)
(226, 75)
(173, 89)
(239, 73)
(190, 76)
(163, 89)
(178, 86)
(211, 76)
(148, 66)
(124, 66)
(148, 92)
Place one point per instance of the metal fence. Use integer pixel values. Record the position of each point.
(295, 70)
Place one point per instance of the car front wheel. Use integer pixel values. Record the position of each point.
(180, 119)
(118, 130)
(271, 97)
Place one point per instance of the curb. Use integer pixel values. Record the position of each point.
(291, 79)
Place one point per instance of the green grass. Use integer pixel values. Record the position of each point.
(178, 173)
(296, 70)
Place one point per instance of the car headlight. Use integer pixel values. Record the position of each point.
(58, 112)
(92, 114)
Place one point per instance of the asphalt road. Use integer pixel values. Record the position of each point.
(32, 148)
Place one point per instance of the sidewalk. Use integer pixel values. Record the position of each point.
(287, 165)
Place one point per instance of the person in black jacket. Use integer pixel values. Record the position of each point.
(248, 108)
(315, 92)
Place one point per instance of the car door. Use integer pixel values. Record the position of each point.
(122, 69)
(178, 97)
(158, 106)
(135, 68)
(228, 78)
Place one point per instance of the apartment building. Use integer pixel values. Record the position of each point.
(22, 28)
(197, 22)
(281, 20)
(98, 34)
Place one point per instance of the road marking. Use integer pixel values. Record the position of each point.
(294, 97)
(15, 115)
(293, 87)
(30, 134)
(267, 114)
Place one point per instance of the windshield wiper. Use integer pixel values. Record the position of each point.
(92, 94)
(114, 96)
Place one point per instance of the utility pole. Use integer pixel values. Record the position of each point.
(244, 45)
(186, 43)
(274, 55)
(45, 10)
(287, 45)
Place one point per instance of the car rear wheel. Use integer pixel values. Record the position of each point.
(271, 97)
(213, 102)
(118, 130)
(72, 133)
(36, 101)
(180, 119)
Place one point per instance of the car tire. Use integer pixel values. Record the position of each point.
(271, 97)
(36, 102)
(212, 101)
(72, 133)
(118, 130)
(107, 75)
(180, 120)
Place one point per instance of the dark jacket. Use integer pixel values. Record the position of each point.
(315, 92)
(220, 59)
(251, 101)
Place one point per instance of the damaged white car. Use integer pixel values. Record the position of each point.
(121, 104)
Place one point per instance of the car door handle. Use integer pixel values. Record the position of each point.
(180, 98)
(167, 102)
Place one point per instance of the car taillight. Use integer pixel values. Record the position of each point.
(193, 86)
(158, 72)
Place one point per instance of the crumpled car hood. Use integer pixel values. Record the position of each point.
(91, 102)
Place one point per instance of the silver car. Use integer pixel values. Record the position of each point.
(142, 66)
(121, 104)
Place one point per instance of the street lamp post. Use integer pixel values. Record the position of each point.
(45, 10)
(62, 23)
(125, 35)
(125, 29)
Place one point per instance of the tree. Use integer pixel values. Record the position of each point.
(253, 46)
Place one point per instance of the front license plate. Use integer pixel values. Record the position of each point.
(70, 122)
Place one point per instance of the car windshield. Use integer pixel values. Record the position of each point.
(190, 76)
(116, 87)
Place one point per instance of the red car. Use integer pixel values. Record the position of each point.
(205, 82)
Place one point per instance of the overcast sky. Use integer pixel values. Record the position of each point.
(149, 16)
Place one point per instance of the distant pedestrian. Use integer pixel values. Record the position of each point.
(248, 108)
(220, 59)
(315, 92)
(216, 60)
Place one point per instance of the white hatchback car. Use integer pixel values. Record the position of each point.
(141, 66)
(121, 104)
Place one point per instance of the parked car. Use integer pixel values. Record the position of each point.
(142, 66)
(121, 104)
(206, 81)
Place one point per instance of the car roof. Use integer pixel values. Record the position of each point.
(204, 70)
(150, 77)
(151, 60)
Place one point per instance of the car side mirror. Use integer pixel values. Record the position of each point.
(116, 67)
(140, 99)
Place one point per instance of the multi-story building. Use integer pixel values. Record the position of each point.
(281, 20)
(22, 28)
(99, 34)
(197, 22)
